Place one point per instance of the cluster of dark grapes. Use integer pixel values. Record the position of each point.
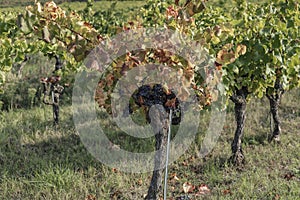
(155, 95)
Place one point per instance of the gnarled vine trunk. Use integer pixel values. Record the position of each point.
(240, 101)
(55, 106)
(52, 92)
(160, 124)
(274, 99)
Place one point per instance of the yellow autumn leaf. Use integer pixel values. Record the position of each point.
(241, 49)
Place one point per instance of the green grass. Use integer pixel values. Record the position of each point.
(39, 161)
(102, 5)
(12, 3)
(16, 5)
(98, 5)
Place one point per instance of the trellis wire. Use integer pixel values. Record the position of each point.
(167, 156)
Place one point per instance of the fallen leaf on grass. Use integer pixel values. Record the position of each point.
(188, 187)
(203, 189)
(225, 192)
(174, 177)
(90, 197)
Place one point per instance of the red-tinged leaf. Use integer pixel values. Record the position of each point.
(88, 25)
(171, 103)
(188, 187)
(110, 80)
(218, 66)
(171, 12)
(226, 192)
(141, 100)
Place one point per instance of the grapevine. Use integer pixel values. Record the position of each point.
(255, 50)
